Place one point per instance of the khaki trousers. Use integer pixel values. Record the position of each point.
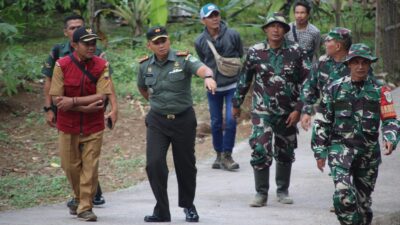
(80, 161)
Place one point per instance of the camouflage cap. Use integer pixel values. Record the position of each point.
(360, 50)
(276, 17)
(338, 33)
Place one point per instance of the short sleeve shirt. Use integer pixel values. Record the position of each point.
(169, 83)
(57, 85)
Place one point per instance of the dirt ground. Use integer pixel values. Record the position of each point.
(29, 147)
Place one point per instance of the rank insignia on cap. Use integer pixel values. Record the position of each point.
(89, 30)
(157, 30)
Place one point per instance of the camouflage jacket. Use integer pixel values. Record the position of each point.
(322, 73)
(350, 116)
(278, 75)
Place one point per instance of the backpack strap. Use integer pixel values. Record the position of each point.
(56, 52)
(87, 73)
(214, 51)
(294, 33)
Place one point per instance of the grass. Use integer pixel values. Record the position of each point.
(31, 189)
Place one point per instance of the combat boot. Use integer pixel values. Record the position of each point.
(227, 161)
(217, 162)
(259, 200)
(282, 178)
(261, 178)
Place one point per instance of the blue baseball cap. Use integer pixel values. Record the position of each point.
(207, 9)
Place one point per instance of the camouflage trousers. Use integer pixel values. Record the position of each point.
(354, 180)
(263, 130)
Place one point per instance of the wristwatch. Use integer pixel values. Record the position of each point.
(46, 109)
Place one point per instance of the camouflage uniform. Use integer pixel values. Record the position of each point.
(323, 73)
(346, 130)
(278, 75)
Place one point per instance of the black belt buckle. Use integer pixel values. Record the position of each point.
(170, 116)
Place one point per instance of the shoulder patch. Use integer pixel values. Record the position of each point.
(387, 106)
(182, 53)
(144, 58)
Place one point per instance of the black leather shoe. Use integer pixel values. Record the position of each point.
(155, 218)
(191, 214)
(98, 200)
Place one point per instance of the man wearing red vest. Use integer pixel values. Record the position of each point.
(79, 87)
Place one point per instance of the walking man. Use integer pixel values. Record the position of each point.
(329, 67)
(227, 43)
(346, 131)
(277, 69)
(164, 79)
(79, 87)
(71, 23)
(303, 32)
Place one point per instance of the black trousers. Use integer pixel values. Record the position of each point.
(179, 132)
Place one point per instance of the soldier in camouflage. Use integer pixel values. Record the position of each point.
(346, 130)
(278, 68)
(329, 67)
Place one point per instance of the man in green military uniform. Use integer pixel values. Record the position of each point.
(278, 68)
(329, 67)
(346, 131)
(71, 23)
(164, 79)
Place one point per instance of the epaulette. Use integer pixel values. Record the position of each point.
(144, 58)
(182, 53)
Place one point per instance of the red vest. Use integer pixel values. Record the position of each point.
(77, 84)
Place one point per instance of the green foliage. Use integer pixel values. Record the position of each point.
(134, 12)
(13, 72)
(8, 32)
(22, 192)
(158, 12)
(4, 136)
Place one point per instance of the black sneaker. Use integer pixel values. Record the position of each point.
(98, 200)
(191, 214)
(72, 204)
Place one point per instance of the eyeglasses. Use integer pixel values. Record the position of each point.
(159, 41)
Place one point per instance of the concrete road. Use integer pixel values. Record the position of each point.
(222, 197)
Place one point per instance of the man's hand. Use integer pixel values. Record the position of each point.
(114, 117)
(388, 148)
(210, 84)
(93, 107)
(293, 118)
(321, 164)
(64, 103)
(50, 118)
(305, 121)
(236, 112)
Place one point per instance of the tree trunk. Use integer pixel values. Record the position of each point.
(387, 31)
(338, 8)
(91, 9)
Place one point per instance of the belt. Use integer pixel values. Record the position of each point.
(171, 116)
